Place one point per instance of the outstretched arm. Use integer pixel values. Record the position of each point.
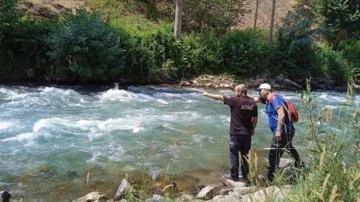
(214, 96)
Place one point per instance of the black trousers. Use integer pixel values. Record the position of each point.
(242, 144)
(277, 150)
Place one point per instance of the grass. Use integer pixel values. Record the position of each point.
(333, 170)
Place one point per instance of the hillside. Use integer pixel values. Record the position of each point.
(51, 8)
(264, 13)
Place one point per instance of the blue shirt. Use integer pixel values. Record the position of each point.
(275, 102)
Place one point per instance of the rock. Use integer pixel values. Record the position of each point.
(284, 162)
(287, 83)
(229, 198)
(123, 188)
(245, 190)
(268, 194)
(184, 83)
(205, 193)
(185, 197)
(157, 198)
(93, 197)
(233, 184)
(224, 191)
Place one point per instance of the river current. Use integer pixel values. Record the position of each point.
(59, 142)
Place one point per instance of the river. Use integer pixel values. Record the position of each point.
(60, 142)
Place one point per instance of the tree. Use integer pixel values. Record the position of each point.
(83, 45)
(256, 13)
(340, 19)
(272, 22)
(178, 17)
(8, 15)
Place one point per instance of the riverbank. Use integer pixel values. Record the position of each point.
(277, 82)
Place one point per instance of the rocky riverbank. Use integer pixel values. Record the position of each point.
(277, 82)
(222, 191)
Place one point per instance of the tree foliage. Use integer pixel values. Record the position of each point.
(244, 51)
(8, 15)
(294, 54)
(86, 46)
(340, 19)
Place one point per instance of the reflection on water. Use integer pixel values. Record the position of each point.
(60, 142)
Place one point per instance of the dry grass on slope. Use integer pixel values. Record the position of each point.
(264, 13)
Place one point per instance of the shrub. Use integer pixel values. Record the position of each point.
(243, 51)
(199, 54)
(351, 51)
(293, 54)
(332, 173)
(25, 46)
(83, 45)
(8, 15)
(333, 64)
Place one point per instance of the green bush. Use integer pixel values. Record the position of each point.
(8, 15)
(199, 54)
(333, 64)
(293, 53)
(25, 47)
(158, 57)
(244, 51)
(83, 45)
(332, 172)
(351, 51)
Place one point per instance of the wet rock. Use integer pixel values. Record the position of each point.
(122, 189)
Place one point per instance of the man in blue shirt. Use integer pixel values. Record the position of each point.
(242, 126)
(281, 127)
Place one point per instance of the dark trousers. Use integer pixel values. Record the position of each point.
(277, 150)
(242, 144)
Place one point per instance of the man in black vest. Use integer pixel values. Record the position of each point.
(242, 126)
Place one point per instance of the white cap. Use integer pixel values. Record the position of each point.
(264, 86)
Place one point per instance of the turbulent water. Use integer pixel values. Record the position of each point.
(60, 142)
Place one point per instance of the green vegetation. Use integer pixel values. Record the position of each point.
(132, 41)
(333, 172)
(8, 15)
(85, 46)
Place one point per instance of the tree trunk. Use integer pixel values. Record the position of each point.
(256, 13)
(178, 16)
(272, 23)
